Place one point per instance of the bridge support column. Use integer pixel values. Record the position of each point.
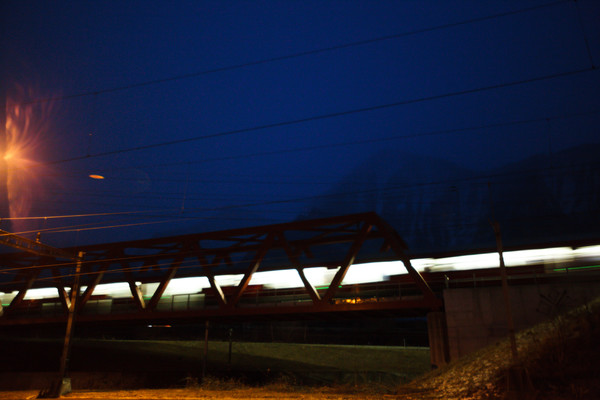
(438, 338)
(205, 350)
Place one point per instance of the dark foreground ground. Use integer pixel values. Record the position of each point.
(559, 360)
(229, 394)
(131, 364)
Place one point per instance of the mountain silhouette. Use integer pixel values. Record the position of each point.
(438, 206)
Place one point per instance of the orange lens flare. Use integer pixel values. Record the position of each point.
(12, 155)
(25, 128)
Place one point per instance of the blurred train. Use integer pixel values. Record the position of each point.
(377, 281)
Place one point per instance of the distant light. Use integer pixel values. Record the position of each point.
(321, 277)
(94, 176)
(40, 293)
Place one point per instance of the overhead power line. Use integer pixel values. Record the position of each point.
(174, 211)
(76, 215)
(358, 142)
(176, 216)
(194, 263)
(327, 116)
(294, 55)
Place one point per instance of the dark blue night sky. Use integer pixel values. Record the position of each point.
(207, 115)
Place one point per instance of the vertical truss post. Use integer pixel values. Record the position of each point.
(341, 273)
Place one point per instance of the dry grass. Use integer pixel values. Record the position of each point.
(116, 364)
(559, 362)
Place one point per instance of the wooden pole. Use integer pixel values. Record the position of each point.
(63, 383)
(230, 346)
(503, 276)
(505, 293)
(64, 360)
(205, 353)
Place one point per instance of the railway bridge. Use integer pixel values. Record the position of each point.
(221, 271)
(148, 267)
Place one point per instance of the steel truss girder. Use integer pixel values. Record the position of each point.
(294, 245)
(32, 246)
(408, 307)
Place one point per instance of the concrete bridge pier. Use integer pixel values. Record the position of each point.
(438, 338)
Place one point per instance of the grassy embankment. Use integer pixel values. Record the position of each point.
(103, 364)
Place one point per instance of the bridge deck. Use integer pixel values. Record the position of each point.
(331, 242)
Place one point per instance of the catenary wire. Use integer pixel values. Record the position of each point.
(323, 196)
(295, 55)
(326, 116)
(189, 264)
(556, 168)
(367, 141)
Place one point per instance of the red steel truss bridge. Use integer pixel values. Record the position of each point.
(336, 243)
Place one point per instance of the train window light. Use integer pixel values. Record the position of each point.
(41, 293)
(358, 273)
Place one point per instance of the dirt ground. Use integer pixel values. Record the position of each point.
(558, 361)
(247, 393)
(276, 370)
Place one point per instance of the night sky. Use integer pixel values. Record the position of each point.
(207, 115)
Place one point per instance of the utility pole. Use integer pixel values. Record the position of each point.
(63, 384)
(503, 276)
(64, 360)
(505, 293)
(518, 377)
(205, 351)
(4, 207)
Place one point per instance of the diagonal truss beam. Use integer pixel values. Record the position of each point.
(399, 247)
(216, 287)
(260, 254)
(29, 281)
(207, 270)
(136, 292)
(62, 292)
(327, 242)
(293, 256)
(32, 246)
(87, 294)
(164, 283)
(350, 257)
